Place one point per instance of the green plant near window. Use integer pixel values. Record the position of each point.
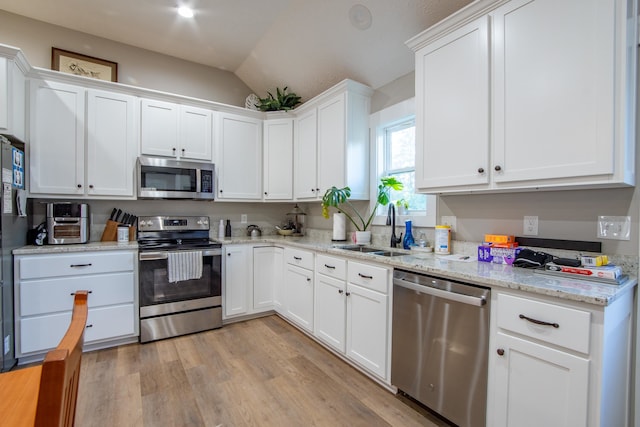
(339, 199)
(282, 101)
(402, 203)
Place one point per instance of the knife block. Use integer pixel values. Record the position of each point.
(110, 233)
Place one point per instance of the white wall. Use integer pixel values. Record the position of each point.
(136, 67)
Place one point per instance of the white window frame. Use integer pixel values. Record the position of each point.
(378, 122)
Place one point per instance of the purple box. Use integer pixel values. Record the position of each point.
(484, 253)
(504, 255)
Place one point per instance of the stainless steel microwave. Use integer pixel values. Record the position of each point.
(160, 178)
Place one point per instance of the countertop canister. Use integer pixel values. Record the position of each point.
(443, 240)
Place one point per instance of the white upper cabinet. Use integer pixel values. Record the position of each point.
(332, 141)
(305, 155)
(111, 143)
(12, 98)
(174, 130)
(57, 140)
(82, 141)
(527, 94)
(239, 157)
(278, 159)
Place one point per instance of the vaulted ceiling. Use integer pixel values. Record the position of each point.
(308, 45)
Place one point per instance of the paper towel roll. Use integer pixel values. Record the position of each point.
(339, 227)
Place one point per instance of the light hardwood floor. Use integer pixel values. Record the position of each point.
(261, 372)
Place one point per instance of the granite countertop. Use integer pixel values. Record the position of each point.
(84, 247)
(465, 270)
(469, 271)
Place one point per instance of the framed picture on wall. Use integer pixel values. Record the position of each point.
(83, 65)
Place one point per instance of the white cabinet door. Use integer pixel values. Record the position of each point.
(538, 386)
(332, 143)
(278, 159)
(367, 328)
(240, 157)
(553, 111)
(57, 138)
(279, 290)
(299, 291)
(196, 133)
(452, 109)
(331, 311)
(267, 270)
(12, 99)
(111, 143)
(159, 128)
(305, 156)
(238, 280)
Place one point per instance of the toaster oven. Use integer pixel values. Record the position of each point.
(67, 223)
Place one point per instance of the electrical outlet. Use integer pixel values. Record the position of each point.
(614, 227)
(450, 221)
(243, 218)
(530, 226)
(7, 347)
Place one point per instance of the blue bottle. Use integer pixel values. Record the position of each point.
(408, 240)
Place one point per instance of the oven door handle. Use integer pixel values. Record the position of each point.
(152, 256)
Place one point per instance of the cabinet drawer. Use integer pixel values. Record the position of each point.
(299, 257)
(55, 295)
(368, 276)
(34, 267)
(569, 327)
(332, 267)
(40, 334)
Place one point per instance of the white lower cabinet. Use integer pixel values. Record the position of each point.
(238, 279)
(352, 311)
(299, 287)
(558, 363)
(330, 302)
(267, 274)
(45, 285)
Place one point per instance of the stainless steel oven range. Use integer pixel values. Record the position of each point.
(180, 277)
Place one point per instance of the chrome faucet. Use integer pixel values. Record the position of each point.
(391, 220)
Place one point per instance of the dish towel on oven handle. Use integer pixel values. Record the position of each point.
(184, 265)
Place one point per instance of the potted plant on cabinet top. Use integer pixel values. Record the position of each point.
(282, 101)
(339, 199)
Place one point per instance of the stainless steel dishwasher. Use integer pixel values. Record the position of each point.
(440, 345)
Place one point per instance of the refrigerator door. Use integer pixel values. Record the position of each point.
(13, 234)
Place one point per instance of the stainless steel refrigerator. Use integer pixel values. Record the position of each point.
(13, 234)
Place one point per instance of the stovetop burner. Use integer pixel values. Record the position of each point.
(174, 233)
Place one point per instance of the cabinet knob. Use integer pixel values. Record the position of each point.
(313, 190)
(500, 352)
(79, 185)
(340, 291)
(183, 151)
(228, 254)
(174, 150)
(308, 279)
(91, 186)
(348, 293)
(317, 189)
(480, 170)
(221, 191)
(265, 193)
(498, 168)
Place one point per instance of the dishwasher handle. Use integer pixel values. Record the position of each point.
(452, 296)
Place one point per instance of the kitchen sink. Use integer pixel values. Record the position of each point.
(364, 249)
(389, 253)
(372, 251)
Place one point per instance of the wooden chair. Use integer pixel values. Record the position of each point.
(46, 395)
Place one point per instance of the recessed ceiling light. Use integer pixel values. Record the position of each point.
(360, 17)
(185, 11)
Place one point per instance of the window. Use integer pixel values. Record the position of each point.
(394, 138)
